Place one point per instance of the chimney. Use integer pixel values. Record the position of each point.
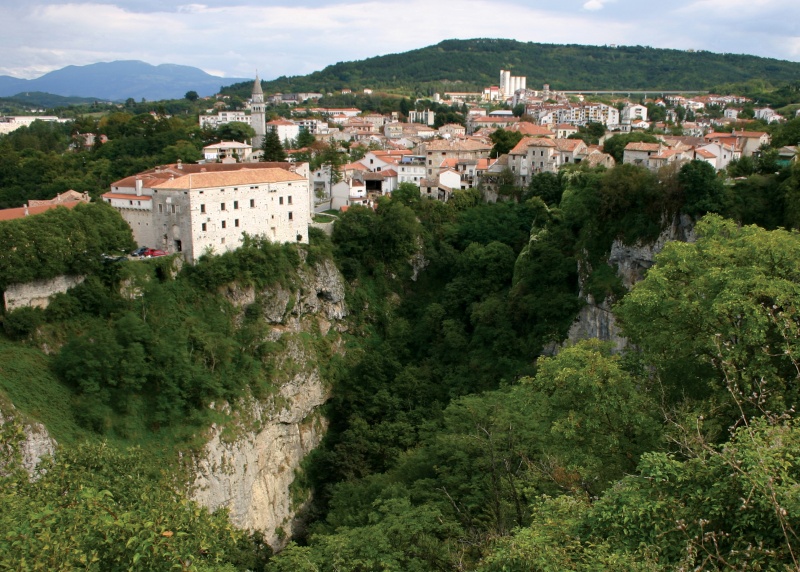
(138, 187)
(180, 164)
(26, 210)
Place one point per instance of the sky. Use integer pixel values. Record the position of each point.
(237, 38)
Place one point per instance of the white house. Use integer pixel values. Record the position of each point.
(313, 126)
(639, 153)
(348, 192)
(410, 169)
(634, 111)
(286, 130)
(223, 117)
(210, 212)
(767, 114)
(198, 209)
(452, 130)
(722, 154)
(228, 151)
(426, 117)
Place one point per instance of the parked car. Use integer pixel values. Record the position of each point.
(140, 251)
(153, 252)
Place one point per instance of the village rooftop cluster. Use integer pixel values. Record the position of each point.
(209, 207)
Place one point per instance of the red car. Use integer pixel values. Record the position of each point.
(153, 252)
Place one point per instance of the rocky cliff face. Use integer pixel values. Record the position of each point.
(249, 465)
(33, 442)
(632, 262)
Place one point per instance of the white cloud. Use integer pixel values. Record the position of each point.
(593, 5)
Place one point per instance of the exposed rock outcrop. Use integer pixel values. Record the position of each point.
(33, 443)
(632, 263)
(249, 464)
(37, 293)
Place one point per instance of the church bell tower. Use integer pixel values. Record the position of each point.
(258, 117)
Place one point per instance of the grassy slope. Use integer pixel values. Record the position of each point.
(27, 381)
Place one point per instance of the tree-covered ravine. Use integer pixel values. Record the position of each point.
(464, 432)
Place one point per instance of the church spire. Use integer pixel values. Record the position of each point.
(258, 116)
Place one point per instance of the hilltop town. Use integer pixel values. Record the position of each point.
(309, 158)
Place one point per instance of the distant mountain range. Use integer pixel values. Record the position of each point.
(120, 80)
(469, 65)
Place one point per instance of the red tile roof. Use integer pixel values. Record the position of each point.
(640, 146)
(22, 212)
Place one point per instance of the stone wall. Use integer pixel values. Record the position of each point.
(37, 294)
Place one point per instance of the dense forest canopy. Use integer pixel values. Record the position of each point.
(454, 443)
(471, 65)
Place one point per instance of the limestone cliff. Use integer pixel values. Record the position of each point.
(249, 464)
(33, 442)
(632, 262)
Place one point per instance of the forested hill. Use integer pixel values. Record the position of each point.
(462, 65)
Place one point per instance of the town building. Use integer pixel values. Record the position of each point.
(509, 84)
(286, 130)
(222, 118)
(438, 150)
(258, 114)
(193, 209)
(228, 151)
(68, 199)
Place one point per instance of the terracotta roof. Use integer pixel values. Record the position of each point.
(748, 134)
(640, 146)
(706, 154)
(666, 154)
(456, 145)
(569, 144)
(242, 177)
(21, 212)
(596, 157)
(163, 173)
(528, 128)
(391, 153)
(495, 119)
(354, 167)
(377, 176)
(521, 148)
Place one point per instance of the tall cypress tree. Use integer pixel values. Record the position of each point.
(272, 148)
